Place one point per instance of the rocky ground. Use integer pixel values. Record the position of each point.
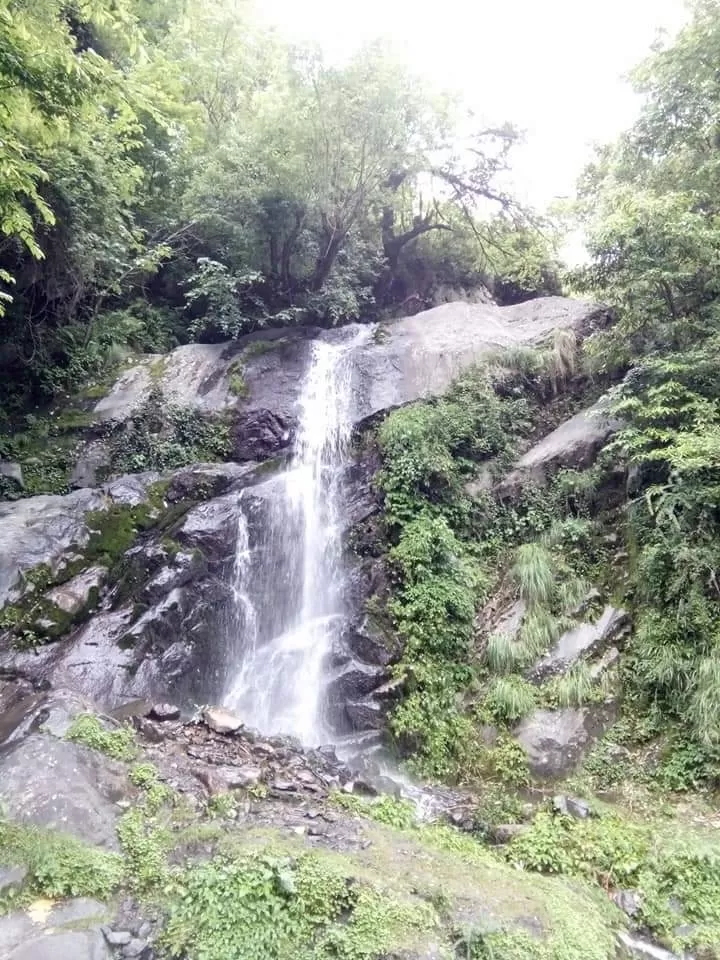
(107, 822)
(158, 794)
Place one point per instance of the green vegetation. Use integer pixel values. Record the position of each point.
(272, 907)
(675, 871)
(58, 865)
(430, 450)
(448, 552)
(167, 179)
(650, 209)
(88, 730)
(160, 436)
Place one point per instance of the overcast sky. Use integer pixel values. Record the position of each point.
(553, 67)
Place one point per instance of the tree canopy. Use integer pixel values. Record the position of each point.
(651, 207)
(172, 171)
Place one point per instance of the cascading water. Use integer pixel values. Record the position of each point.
(289, 589)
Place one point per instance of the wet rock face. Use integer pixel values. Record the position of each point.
(203, 481)
(157, 632)
(71, 931)
(52, 530)
(415, 357)
(41, 530)
(262, 434)
(420, 356)
(555, 741)
(74, 595)
(54, 783)
(583, 641)
(574, 444)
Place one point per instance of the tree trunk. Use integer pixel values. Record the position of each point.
(326, 260)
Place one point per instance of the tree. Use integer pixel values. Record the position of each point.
(650, 205)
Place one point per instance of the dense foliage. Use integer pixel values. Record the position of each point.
(430, 451)
(172, 171)
(650, 205)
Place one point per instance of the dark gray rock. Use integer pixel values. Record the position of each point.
(77, 593)
(606, 662)
(54, 783)
(164, 712)
(58, 711)
(261, 434)
(92, 663)
(365, 715)
(117, 938)
(212, 528)
(369, 644)
(198, 375)
(556, 740)
(12, 472)
(11, 878)
(574, 444)
(629, 901)
(135, 948)
(584, 640)
(347, 694)
(203, 481)
(183, 568)
(570, 807)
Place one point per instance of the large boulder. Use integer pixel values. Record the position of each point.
(556, 741)
(257, 372)
(420, 356)
(70, 930)
(61, 785)
(574, 444)
(41, 530)
(51, 530)
(259, 378)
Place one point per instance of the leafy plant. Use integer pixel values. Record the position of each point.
(59, 865)
(509, 699)
(88, 730)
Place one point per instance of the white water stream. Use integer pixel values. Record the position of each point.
(289, 588)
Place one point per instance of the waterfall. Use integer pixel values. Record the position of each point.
(288, 588)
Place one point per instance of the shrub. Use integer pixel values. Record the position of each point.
(509, 699)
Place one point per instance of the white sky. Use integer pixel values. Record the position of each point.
(552, 67)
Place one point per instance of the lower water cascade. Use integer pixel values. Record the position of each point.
(288, 576)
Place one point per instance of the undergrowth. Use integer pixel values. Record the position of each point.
(58, 865)
(120, 744)
(265, 907)
(450, 549)
(676, 873)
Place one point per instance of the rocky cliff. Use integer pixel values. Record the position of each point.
(116, 607)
